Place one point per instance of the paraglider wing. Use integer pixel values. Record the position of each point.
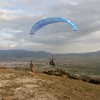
(44, 22)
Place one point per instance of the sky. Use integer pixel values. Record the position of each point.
(18, 16)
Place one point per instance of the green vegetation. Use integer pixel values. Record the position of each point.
(71, 76)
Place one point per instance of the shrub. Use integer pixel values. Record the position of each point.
(94, 81)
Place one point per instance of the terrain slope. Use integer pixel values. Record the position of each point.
(18, 85)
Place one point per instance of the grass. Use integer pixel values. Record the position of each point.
(61, 88)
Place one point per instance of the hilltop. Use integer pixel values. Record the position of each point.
(17, 85)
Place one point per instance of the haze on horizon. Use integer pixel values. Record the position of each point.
(18, 16)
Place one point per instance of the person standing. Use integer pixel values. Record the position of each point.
(32, 67)
(50, 61)
(53, 64)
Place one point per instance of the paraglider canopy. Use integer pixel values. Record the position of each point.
(47, 21)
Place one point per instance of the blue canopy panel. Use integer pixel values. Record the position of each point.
(47, 21)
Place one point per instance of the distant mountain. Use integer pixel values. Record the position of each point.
(18, 54)
(88, 54)
(11, 54)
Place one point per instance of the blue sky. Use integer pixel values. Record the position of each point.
(18, 16)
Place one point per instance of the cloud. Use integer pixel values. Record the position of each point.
(18, 16)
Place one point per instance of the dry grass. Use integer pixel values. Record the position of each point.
(67, 89)
(17, 85)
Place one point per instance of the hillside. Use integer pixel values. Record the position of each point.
(10, 55)
(6, 55)
(17, 85)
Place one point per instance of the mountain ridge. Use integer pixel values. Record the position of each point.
(18, 54)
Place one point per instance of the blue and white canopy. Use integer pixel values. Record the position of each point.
(47, 21)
